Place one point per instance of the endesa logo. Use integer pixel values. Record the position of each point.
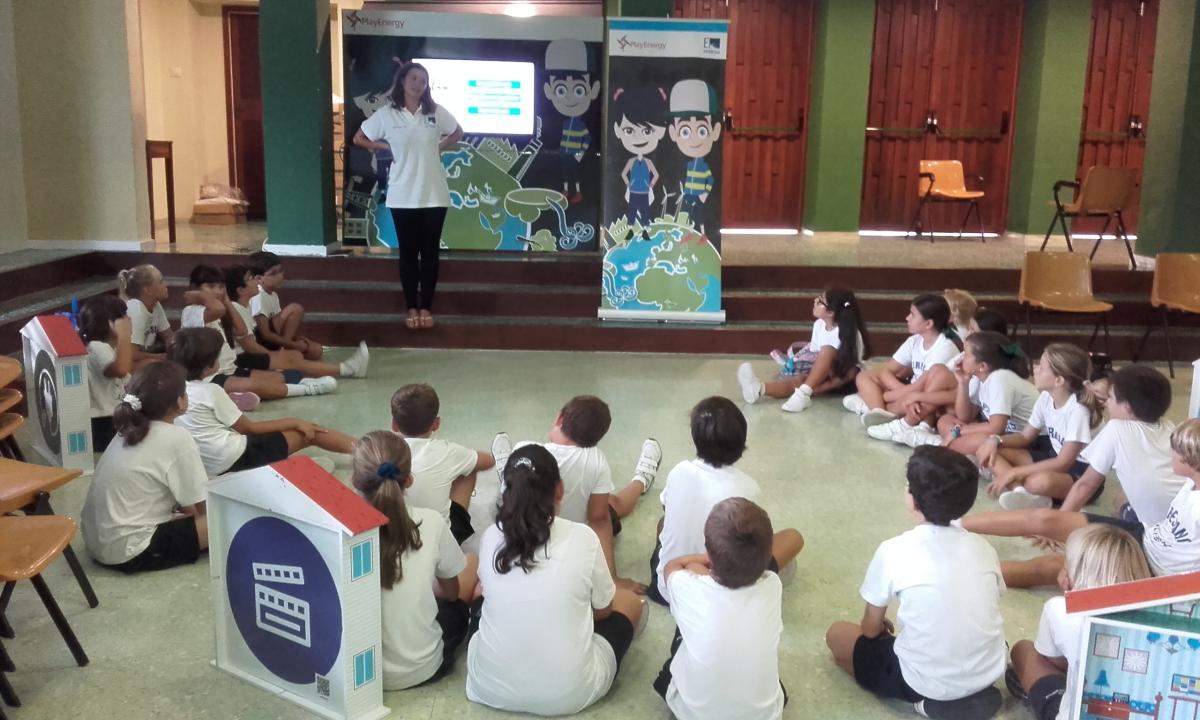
(355, 20)
(625, 43)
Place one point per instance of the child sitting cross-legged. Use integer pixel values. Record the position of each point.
(728, 614)
(588, 492)
(105, 327)
(427, 581)
(228, 440)
(948, 583)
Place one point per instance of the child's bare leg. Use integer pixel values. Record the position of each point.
(870, 389)
(786, 545)
(309, 368)
(840, 638)
(313, 350)
(1050, 484)
(1030, 665)
(331, 440)
(287, 323)
(202, 530)
(782, 388)
(1053, 524)
(266, 385)
(625, 501)
(468, 579)
(822, 370)
(629, 604)
(461, 489)
(1037, 572)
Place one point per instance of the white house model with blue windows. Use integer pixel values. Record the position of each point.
(1139, 650)
(293, 557)
(56, 387)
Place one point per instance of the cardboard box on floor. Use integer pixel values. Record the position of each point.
(218, 214)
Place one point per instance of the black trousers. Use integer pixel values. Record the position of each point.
(418, 232)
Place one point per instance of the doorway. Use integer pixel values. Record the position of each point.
(243, 107)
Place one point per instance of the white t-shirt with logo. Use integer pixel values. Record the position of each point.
(192, 316)
(1070, 423)
(728, 663)
(436, 464)
(210, 418)
(1058, 636)
(913, 354)
(584, 471)
(536, 650)
(106, 392)
(412, 638)
(417, 178)
(948, 582)
(1141, 454)
(1173, 545)
(693, 488)
(1003, 392)
(136, 489)
(264, 303)
(145, 324)
(823, 337)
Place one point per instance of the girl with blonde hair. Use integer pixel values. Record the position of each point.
(144, 291)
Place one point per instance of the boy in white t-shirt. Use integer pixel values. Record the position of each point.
(588, 495)
(948, 583)
(277, 327)
(694, 486)
(728, 613)
(443, 472)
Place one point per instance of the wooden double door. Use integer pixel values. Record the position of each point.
(943, 87)
(767, 78)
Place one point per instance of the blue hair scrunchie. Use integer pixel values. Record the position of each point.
(1012, 350)
(388, 471)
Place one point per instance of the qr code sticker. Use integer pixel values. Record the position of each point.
(323, 687)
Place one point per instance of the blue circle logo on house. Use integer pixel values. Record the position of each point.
(284, 600)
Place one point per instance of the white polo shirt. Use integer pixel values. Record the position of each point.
(913, 354)
(192, 316)
(145, 325)
(210, 418)
(584, 471)
(1141, 454)
(417, 178)
(436, 464)
(264, 303)
(1058, 636)
(948, 582)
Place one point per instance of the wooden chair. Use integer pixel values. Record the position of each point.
(9, 424)
(1061, 282)
(10, 370)
(25, 487)
(10, 398)
(943, 181)
(1105, 192)
(1176, 288)
(8, 696)
(27, 547)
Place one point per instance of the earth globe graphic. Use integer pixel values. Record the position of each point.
(669, 267)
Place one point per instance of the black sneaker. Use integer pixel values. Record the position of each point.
(1014, 685)
(980, 706)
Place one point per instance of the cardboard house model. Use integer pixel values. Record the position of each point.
(293, 557)
(56, 384)
(1140, 650)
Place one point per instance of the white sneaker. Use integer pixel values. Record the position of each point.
(752, 388)
(798, 402)
(877, 416)
(888, 431)
(919, 435)
(502, 447)
(319, 386)
(356, 365)
(644, 618)
(854, 403)
(647, 464)
(1020, 499)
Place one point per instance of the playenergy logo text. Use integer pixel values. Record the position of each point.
(355, 20)
(624, 42)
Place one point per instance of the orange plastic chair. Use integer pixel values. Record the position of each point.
(1176, 288)
(10, 370)
(9, 424)
(1060, 282)
(943, 181)
(1105, 192)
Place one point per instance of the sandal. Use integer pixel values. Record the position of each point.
(426, 319)
(412, 322)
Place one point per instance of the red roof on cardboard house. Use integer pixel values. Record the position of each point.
(354, 513)
(62, 336)
(1130, 595)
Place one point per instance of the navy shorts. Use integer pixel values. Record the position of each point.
(1042, 449)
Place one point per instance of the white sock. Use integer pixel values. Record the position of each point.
(296, 390)
(806, 390)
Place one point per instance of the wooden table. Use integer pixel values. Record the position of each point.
(161, 149)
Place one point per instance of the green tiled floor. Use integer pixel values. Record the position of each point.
(151, 639)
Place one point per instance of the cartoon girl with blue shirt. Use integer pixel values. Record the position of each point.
(641, 124)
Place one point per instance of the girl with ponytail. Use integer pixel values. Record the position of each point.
(145, 507)
(829, 361)
(144, 291)
(426, 580)
(554, 626)
(1041, 463)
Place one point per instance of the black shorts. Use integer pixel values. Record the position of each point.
(876, 668)
(615, 519)
(453, 616)
(261, 450)
(220, 378)
(1042, 449)
(1046, 696)
(253, 361)
(460, 523)
(617, 631)
(1136, 529)
(173, 543)
(103, 433)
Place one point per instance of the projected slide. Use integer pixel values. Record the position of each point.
(485, 96)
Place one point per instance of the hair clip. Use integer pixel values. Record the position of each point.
(387, 471)
(133, 401)
(523, 462)
(846, 304)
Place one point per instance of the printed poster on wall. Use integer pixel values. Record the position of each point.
(527, 93)
(661, 225)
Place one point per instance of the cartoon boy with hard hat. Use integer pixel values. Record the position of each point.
(693, 107)
(571, 90)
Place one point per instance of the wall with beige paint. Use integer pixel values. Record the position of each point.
(13, 226)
